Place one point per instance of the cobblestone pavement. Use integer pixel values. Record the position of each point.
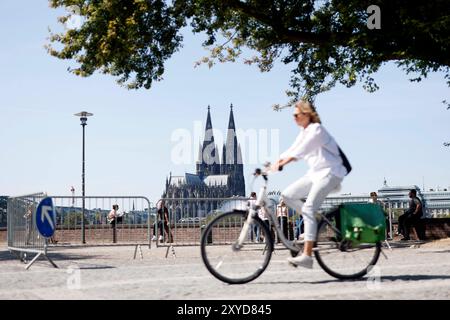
(410, 272)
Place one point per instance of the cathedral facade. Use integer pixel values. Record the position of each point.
(215, 177)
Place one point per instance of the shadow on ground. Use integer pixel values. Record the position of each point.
(417, 277)
(437, 251)
(6, 255)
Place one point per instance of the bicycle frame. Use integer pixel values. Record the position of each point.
(261, 203)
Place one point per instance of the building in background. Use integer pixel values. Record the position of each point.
(213, 179)
(436, 202)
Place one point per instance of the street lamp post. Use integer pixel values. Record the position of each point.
(83, 118)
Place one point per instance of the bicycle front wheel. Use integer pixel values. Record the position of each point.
(340, 258)
(228, 261)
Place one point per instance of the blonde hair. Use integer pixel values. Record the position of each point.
(308, 108)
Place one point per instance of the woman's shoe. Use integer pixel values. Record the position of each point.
(302, 261)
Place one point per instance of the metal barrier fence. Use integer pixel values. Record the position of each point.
(78, 224)
(140, 223)
(23, 236)
(133, 227)
(187, 217)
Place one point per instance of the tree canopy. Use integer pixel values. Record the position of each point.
(325, 41)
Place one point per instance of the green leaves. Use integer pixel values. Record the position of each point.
(326, 42)
(130, 39)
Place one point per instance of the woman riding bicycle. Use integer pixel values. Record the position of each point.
(326, 171)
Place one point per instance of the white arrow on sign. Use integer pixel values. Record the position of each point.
(44, 214)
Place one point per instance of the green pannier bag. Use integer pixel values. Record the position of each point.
(362, 222)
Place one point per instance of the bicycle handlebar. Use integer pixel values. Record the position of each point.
(265, 173)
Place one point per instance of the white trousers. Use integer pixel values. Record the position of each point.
(315, 193)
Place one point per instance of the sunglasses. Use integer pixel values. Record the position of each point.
(297, 114)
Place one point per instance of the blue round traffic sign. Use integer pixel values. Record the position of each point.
(45, 218)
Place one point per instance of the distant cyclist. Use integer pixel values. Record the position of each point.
(326, 171)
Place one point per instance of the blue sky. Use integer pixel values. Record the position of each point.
(397, 132)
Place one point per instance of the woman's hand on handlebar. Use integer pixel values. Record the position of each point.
(268, 167)
(277, 166)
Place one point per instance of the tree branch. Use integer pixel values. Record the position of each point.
(285, 34)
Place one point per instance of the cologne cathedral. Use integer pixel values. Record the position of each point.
(215, 177)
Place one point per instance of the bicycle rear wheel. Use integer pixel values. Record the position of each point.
(341, 258)
(221, 256)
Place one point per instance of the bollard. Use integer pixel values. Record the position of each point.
(202, 229)
(114, 231)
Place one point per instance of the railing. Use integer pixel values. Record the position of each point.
(188, 217)
(78, 220)
(23, 236)
(22, 233)
(131, 228)
(140, 222)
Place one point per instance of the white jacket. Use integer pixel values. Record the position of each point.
(320, 151)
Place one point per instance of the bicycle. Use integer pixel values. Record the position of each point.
(231, 256)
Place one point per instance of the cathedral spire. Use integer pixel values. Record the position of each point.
(208, 120)
(232, 159)
(230, 148)
(231, 120)
(208, 162)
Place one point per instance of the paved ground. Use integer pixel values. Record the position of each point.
(420, 272)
